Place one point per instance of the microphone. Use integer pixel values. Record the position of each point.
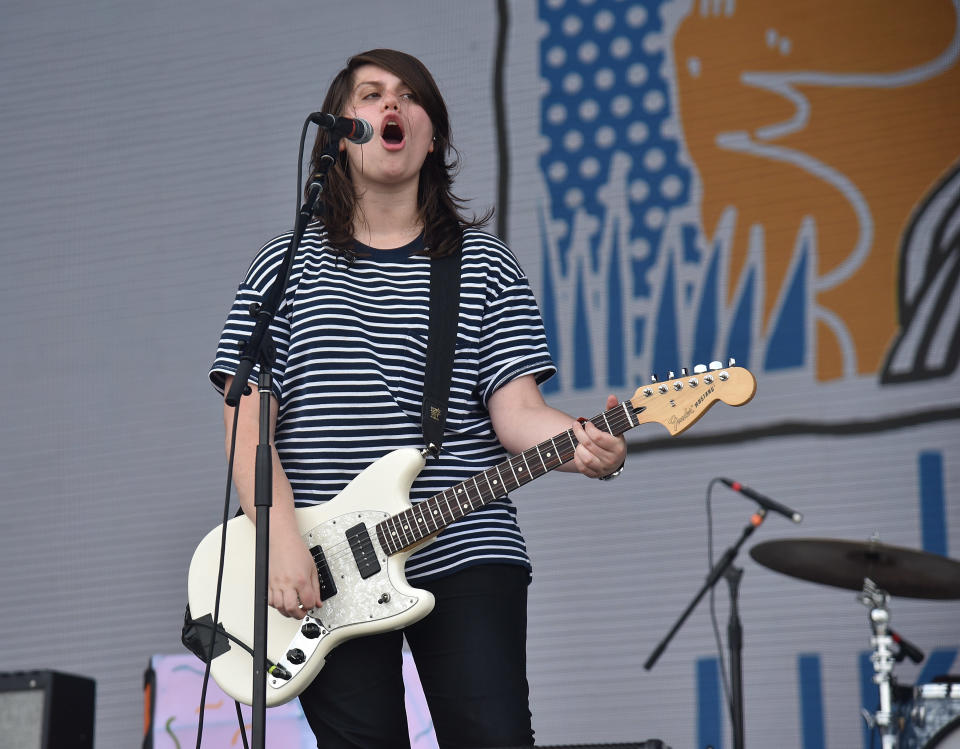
(763, 501)
(907, 648)
(355, 131)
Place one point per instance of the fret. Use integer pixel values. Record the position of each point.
(476, 486)
(436, 514)
(447, 500)
(486, 477)
(404, 527)
(395, 532)
(526, 465)
(462, 492)
(515, 479)
(537, 449)
(421, 526)
(629, 415)
(605, 421)
(384, 538)
(503, 486)
(565, 452)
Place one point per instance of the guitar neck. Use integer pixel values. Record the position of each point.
(427, 518)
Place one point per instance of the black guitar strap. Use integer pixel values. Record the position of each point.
(444, 316)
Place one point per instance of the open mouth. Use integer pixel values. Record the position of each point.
(392, 133)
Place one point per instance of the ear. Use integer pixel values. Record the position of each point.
(342, 145)
(433, 142)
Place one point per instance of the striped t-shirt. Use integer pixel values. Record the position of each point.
(351, 344)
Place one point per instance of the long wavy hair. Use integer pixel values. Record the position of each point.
(440, 210)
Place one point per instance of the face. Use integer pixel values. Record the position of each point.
(403, 133)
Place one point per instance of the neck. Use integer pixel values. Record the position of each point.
(387, 218)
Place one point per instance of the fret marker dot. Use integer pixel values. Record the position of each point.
(464, 505)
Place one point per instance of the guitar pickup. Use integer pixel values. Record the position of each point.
(363, 552)
(328, 588)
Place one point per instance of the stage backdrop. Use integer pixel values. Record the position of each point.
(683, 182)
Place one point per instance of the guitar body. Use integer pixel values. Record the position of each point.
(365, 602)
(361, 571)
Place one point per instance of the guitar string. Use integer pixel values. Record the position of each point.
(616, 418)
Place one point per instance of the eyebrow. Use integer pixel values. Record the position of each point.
(381, 84)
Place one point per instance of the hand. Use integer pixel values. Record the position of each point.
(293, 587)
(598, 453)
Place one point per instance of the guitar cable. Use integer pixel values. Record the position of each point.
(216, 602)
(713, 610)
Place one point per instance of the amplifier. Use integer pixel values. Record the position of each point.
(46, 710)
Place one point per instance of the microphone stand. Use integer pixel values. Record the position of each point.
(259, 349)
(734, 630)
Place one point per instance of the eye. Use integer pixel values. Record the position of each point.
(408, 96)
(371, 95)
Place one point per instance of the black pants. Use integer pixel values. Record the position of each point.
(470, 653)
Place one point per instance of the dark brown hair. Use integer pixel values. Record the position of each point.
(439, 208)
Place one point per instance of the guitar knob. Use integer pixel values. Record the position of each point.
(296, 656)
(310, 630)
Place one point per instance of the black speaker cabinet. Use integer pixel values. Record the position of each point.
(46, 710)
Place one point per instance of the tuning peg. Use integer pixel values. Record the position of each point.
(653, 378)
(670, 375)
(699, 369)
(684, 371)
(731, 361)
(716, 365)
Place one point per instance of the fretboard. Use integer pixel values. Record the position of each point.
(429, 517)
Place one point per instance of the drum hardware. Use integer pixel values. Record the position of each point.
(877, 571)
(876, 600)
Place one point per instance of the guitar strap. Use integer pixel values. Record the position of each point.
(441, 340)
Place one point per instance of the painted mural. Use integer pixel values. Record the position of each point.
(775, 182)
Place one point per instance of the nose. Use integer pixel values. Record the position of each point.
(391, 101)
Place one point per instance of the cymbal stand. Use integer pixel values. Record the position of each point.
(882, 658)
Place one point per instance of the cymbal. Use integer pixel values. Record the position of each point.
(844, 564)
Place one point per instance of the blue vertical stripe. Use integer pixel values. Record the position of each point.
(709, 714)
(933, 518)
(937, 663)
(869, 694)
(811, 701)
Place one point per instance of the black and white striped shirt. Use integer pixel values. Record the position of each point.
(350, 355)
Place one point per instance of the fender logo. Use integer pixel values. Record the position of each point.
(690, 410)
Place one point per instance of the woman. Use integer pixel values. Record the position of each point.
(351, 341)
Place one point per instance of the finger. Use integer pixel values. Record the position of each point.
(587, 462)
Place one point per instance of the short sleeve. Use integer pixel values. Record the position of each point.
(240, 322)
(513, 342)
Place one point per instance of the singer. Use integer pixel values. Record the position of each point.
(348, 381)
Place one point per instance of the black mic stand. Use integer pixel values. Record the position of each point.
(259, 349)
(734, 631)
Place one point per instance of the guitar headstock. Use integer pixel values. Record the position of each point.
(679, 402)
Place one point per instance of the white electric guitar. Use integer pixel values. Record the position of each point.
(362, 538)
